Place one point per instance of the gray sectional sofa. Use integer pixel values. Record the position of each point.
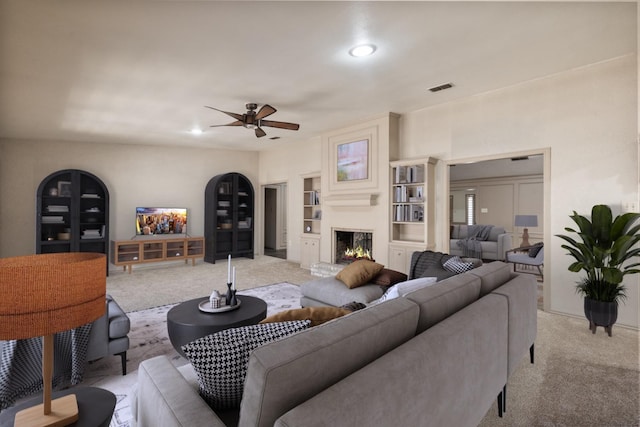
(329, 291)
(494, 241)
(439, 356)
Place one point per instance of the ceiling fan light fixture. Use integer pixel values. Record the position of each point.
(362, 50)
(196, 131)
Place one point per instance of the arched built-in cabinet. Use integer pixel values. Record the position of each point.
(228, 217)
(72, 213)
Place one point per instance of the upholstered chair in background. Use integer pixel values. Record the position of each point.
(109, 334)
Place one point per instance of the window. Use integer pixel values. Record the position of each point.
(470, 206)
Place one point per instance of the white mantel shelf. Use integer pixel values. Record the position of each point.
(350, 200)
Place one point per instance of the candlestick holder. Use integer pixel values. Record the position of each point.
(228, 296)
(234, 300)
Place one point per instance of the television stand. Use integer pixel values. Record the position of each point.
(126, 253)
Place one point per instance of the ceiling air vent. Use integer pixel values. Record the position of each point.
(441, 87)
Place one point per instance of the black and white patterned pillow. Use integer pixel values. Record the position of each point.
(220, 360)
(456, 265)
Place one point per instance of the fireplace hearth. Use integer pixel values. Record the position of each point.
(351, 245)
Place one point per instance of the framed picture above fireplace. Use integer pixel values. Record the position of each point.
(353, 160)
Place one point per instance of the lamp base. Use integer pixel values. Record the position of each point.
(525, 238)
(64, 411)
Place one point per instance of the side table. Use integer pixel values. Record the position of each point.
(95, 407)
(186, 323)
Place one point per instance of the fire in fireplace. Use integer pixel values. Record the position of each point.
(352, 245)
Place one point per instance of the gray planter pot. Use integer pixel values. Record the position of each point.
(600, 313)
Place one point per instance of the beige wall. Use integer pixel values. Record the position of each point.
(584, 120)
(288, 165)
(135, 176)
(587, 120)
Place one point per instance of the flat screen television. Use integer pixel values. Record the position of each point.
(161, 221)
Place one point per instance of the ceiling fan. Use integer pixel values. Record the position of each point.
(255, 120)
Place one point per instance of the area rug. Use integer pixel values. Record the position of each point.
(148, 338)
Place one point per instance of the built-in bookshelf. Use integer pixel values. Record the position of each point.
(412, 211)
(312, 220)
(312, 206)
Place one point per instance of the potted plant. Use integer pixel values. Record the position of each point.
(603, 250)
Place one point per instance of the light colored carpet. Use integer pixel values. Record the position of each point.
(152, 285)
(149, 338)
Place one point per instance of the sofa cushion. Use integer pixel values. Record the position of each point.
(316, 315)
(388, 277)
(220, 359)
(429, 264)
(492, 275)
(403, 288)
(359, 273)
(533, 251)
(495, 232)
(457, 265)
(333, 292)
(441, 300)
(285, 373)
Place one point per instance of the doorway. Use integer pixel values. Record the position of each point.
(501, 187)
(275, 220)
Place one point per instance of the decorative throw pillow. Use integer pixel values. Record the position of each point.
(456, 265)
(388, 277)
(359, 273)
(316, 315)
(533, 251)
(220, 360)
(403, 288)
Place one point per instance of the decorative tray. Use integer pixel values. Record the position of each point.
(206, 306)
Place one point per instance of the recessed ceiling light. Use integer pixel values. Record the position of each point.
(362, 50)
(196, 131)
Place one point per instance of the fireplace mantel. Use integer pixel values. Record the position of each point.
(351, 200)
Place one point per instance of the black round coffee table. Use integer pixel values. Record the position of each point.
(186, 323)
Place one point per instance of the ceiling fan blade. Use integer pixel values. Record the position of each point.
(236, 123)
(265, 111)
(234, 115)
(260, 133)
(281, 125)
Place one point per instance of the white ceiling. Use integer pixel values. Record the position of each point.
(142, 71)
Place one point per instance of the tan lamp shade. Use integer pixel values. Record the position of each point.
(41, 295)
(49, 293)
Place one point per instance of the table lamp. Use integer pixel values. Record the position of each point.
(526, 221)
(41, 295)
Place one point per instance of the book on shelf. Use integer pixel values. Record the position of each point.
(52, 219)
(408, 213)
(409, 174)
(313, 197)
(57, 208)
(400, 194)
(91, 234)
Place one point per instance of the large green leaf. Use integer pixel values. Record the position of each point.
(601, 221)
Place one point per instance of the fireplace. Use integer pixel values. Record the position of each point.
(350, 245)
